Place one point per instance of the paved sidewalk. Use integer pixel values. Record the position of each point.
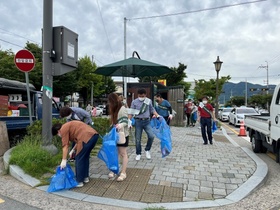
(192, 176)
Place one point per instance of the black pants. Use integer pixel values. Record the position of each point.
(205, 124)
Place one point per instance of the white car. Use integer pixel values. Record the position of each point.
(236, 116)
(99, 112)
(224, 113)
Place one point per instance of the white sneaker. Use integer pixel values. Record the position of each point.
(80, 184)
(148, 155)
(86, 180)
(138, 157)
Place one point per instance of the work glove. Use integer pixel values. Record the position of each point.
(170, 117)
(71, 152)
(63, 164)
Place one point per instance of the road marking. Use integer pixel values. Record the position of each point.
(234, 131)
(271, 155)
(1, 200)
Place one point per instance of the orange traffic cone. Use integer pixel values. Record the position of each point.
(242, 131)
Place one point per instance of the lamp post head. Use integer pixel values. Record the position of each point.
(218, 64)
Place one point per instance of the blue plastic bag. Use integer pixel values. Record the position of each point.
(163, 133)
(133, 121)
(63, 179)
(194, 116)
(214, 126)
(109, 152)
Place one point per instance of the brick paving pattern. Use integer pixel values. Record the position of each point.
(191, 172)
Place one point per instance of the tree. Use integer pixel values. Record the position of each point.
(260, 100)
(208, 88)
(237, 101)
(174, 78)
(86, 78)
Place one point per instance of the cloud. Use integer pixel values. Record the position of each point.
(243, 36)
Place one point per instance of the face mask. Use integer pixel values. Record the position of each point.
(205, 102)
(157, 100)
(141, 99)
(69, 116)
(124, 101)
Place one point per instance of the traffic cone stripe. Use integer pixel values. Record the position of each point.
(242, 131)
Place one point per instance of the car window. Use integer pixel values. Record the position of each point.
(246, 111)
(227, 110)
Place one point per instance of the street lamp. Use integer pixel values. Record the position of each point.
(218, 65)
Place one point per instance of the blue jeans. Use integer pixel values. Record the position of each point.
(141, 125)
(206, 126)
(82, 159)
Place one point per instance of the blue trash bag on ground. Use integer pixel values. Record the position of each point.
(163, 133)
(214, 126)
(109, 152)
(63, 179)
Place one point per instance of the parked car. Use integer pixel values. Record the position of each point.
(224, 113)
(99, 112)
(236, 116)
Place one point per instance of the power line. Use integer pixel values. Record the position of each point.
(11, 43)
(195, 11)
(105, 29)
(14, 34)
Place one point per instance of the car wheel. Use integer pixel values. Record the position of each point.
(235, 125)
(256, 144)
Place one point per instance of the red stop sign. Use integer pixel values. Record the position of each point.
(24, 60)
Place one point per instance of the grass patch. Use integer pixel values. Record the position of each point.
(33, 159)
(39, 163)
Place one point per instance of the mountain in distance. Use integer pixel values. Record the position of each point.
(239, 89)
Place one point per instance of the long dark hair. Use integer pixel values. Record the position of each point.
(114, 106)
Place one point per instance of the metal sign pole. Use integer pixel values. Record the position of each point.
(28, 97)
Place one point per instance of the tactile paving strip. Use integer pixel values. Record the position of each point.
(134, 188)
(220, 138)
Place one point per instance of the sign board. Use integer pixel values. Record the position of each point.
(162, 81)
(65, 46)
(24, 60)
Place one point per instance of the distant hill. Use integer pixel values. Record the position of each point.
(238, 89)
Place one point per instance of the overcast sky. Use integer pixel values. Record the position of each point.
(245, 36)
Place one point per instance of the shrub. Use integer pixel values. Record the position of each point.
(32, 158)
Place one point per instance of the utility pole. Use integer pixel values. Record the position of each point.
(267, 83)
(246, 89)
(47, 76)
(125, 78)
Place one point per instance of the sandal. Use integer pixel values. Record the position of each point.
(111, 175)
(121, 177)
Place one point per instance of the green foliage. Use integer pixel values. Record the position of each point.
(174, 78)
(260, 100)
(237, 101)
(36, 128)
(208, 88)
(32, 158)
(101, 125)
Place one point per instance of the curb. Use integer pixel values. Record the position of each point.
(256, 180)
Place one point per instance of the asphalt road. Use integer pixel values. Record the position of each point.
(11, 204)
(266, 197)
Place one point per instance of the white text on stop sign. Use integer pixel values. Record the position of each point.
(24, 60)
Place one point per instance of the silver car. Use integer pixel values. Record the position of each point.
(236, 116)
(223, 114)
